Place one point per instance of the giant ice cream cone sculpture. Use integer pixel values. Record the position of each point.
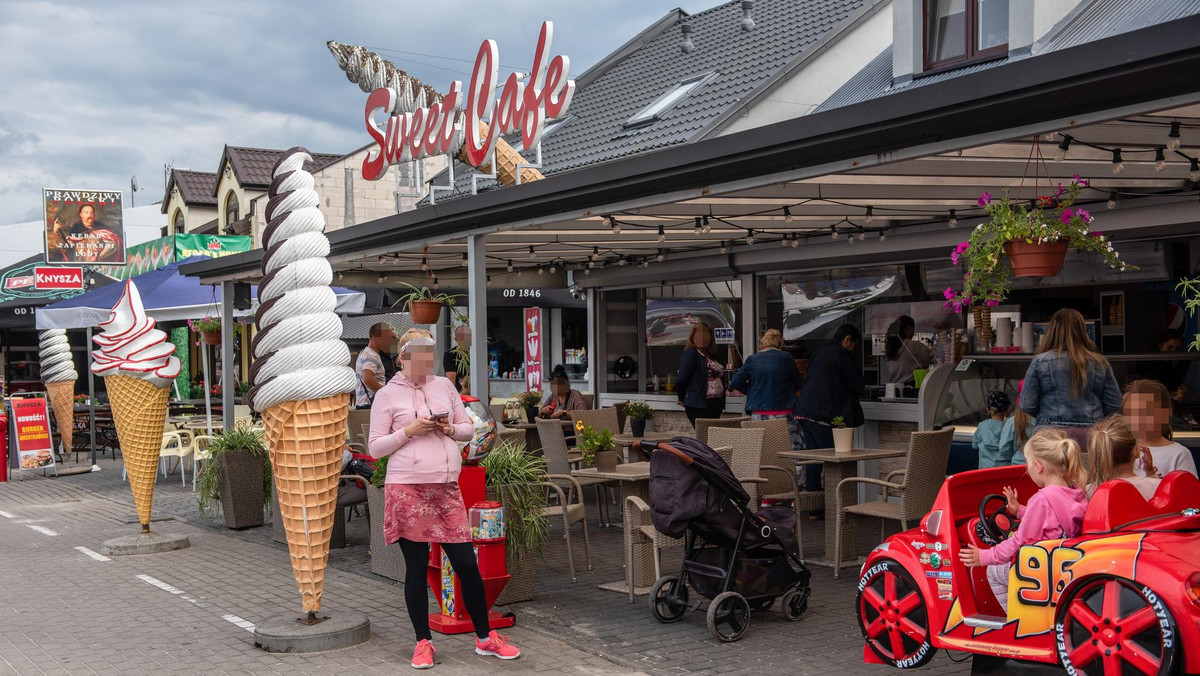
(137, 363)
(59, 376)
(301, 372)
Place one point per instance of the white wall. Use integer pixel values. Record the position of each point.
(818, 79)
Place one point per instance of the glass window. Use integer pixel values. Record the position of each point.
(993, 24)
(946, 32)
(666, 102)
(231, 208)
(177, 222)
(960, 31)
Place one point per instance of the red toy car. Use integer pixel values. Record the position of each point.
(1122, 598)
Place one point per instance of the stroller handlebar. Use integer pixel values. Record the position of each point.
(647, 447)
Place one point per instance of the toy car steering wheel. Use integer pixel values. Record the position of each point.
(990, 529)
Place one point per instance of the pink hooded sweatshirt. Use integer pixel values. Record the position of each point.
(431, 458)
(1053, 513)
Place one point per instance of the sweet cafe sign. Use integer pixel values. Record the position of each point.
(441, 127)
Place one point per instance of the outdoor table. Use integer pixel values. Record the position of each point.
(626, 441)
(532, 441)
(838, 466)
(634, 478)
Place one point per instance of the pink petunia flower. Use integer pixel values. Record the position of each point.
(991, 303)
(1097, 233)
(1061, 190)
(1084, 214)
(1066, 216)
(1082, 181)
(985, 199)
(950, 293)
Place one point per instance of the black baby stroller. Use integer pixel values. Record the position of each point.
(739, 559)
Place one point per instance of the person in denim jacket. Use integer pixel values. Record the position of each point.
(1068, 383)
(770, 380)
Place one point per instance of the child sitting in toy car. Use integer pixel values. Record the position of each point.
(1055, 464)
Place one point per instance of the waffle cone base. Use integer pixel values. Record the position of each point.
(507, 159)
(139, 410)
(305, 440)
(62, 400)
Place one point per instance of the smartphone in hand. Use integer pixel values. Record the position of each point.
(440, 416)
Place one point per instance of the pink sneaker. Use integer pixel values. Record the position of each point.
(423, 655)
(497, 645)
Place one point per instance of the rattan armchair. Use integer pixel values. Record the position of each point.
(703, 425)
(358, 422)
(924, 473)
(744, 456)
(599, 418)
(640, 530)
(780, 473)
(554, 450)
(571, 511)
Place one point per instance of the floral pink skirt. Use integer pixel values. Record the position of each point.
(424, 513)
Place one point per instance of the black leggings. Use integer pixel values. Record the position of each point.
(416, 590)
(712, 409)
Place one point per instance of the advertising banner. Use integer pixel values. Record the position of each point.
(533, 348)
(83, 226)
(57, 278)
(213, 246)
(31, 424)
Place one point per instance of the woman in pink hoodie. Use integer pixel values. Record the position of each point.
(1056, 511)
(418, 419)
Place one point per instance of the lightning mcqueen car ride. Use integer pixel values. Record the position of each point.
(1122, 598)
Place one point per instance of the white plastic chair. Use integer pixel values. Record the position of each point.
(200, 454)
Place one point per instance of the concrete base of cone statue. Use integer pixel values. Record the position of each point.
(144, 543)
(341, 629)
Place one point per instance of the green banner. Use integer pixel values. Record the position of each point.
(213, 246)
(156, 253)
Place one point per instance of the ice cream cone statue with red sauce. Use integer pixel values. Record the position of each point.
(301, 373)
(59, 376)
(138, 365)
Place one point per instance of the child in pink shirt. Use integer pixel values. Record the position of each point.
(1056, 511)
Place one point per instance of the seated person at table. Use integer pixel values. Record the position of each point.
(988, 432)
(562, 399)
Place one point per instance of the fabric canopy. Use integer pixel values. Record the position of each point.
(167, 296)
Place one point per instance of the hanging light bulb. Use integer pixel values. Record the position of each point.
(953, 218)
(662, 234)
(382, 277)
(724, 247)
(862, 235)
(870, 215)
(518, 272)
(833, 232)
(1063, 148)
(750, 236)
(510, 266)
(616, 227)
(464, 260)
(795, 242)
(622, 262)
(489, 280)
(1160, 159)
(1112, 200)
(660, 258)
(883, 237)
(591, 264)
(1050, 136)
(1117, 164)
(553, 269)
(424, 266)
(541, 271)
(698, 229)
(341, 276)
(532, 253)
(1195, 170)
(435, 282)
(705, 227)
(595, 252)
(850, 238)
(1173, 138)
(784, 241)
(787, 215)
(588, 269)
(382, 260)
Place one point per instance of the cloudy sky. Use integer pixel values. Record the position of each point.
(92, 93)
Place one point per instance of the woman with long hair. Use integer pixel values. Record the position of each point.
(1069, 384)
(902, 354)
(699, 384)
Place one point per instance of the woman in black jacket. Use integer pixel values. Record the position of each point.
(699, 385)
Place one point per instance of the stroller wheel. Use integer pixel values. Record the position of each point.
(668, 599)
(762, 604)
(728, 616)
(794, 605)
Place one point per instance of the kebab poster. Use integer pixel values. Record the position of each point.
(84, 226)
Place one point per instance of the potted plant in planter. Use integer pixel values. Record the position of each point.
(514, 480)
(596, 447)
(424, 305)
(209, 328)
(1033, 238)
(843, 437)
(530, 401)
(386, 560)
(238, 475)
(639, 413)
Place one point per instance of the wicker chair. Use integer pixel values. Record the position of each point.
(511, 436)
(360, 419)
(599, 418)
(554, 449)
(744, 456)
(200, 454)
(703, 425)
(572, 512)
(640, 530)
(589, 400)
(924, 473)
(497, 412)
(780, 473)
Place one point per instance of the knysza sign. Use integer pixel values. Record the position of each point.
(439, 128)
(57, 278)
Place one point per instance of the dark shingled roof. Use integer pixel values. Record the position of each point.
(252, 166)
(1087, 23)
(743, 64)
(195, 187)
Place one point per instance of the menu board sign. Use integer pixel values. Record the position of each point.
(31, 423)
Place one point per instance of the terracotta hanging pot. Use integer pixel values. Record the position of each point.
(1044, 259)
(425, 311)
(211, 337)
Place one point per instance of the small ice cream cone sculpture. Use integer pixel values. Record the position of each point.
(301, 374)
(138, 365)
(59, 376)
(370, 71)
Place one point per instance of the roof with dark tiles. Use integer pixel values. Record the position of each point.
(742, 63)
(196, 188)
(252, 166)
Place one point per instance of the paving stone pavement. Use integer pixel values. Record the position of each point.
(73, 614)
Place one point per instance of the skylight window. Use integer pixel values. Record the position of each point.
(667, 102)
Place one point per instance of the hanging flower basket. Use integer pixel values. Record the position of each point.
(211, 337)
(1040, 259)
(209, 328)
(425, 311)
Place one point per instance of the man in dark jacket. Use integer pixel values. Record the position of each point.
(834, 381)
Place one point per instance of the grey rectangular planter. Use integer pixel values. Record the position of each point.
(386, 560)
(522, 570)
(241, 489)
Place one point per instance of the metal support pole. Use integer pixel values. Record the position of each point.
(91, 399)
(749, 310)
(228, 381)
(593, 361)
(477, 308)
(207, 387)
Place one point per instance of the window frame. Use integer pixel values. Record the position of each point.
(232, 196)
(971, 52)
(692, 84)
(177, 222)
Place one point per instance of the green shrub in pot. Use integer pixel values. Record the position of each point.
(238, 475)
(514, 479)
